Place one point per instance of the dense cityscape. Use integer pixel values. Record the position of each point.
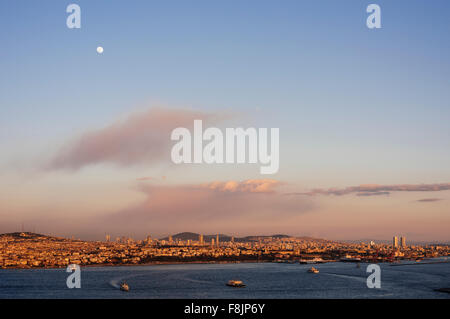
(30, 250)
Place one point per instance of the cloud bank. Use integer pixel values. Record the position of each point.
(231, 205)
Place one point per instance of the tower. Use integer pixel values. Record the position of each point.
(200, 239)
(395, 242)
(217, 239)
(403, 241)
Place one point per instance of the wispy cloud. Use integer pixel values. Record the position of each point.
(142, 137)
(373, 193)
(374, 189)
(427, 200)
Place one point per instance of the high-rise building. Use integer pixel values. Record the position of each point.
(200, 239)
(170, 240)
(212, 241)
(232, 239)
(217, 239)
(403, 241)
(395, 242)
(108, 238)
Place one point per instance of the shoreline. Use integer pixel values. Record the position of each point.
(145, 264)
(156, 263)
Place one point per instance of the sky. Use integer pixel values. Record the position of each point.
(363, 117)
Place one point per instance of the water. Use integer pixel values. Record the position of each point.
(264, 280)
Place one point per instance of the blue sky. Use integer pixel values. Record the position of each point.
(353, 105)
(311, 67)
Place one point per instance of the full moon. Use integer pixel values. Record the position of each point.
(100, 50)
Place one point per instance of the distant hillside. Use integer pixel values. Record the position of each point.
(223, 237)
(180, 236)
(29, 236)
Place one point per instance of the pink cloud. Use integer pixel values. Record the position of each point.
(142, 137)
(224, 206)
(248, 186)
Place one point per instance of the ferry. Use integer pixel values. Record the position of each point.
(313, 270)
(311, 261)
(236, 284)
(124, 287)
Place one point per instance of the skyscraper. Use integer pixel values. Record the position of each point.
(200, 239)
(403, 241)
(395, 242)
(217, 239)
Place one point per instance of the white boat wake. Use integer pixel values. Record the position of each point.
(115, 282)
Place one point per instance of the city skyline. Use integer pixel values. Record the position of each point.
(396, 241)
(362, 116)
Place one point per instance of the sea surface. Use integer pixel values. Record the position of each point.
(264, 280)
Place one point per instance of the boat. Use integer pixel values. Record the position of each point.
(316, 260)
(124, 287)
(235, 283)
(313, 270)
